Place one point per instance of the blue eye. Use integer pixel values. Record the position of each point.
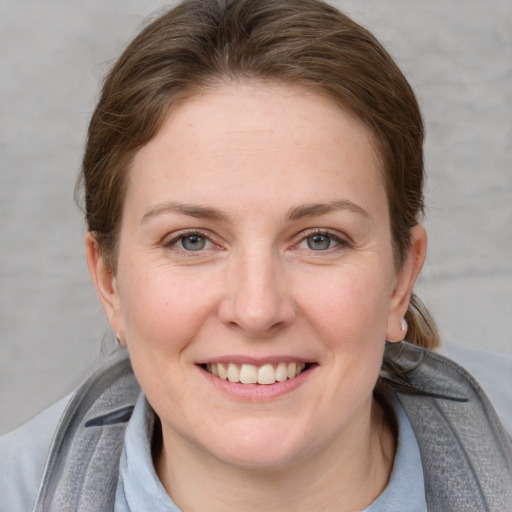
(319, 242)
(193, 242)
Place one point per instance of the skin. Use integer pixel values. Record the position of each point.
(257, 171)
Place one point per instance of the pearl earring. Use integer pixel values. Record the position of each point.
(403, 324)
(118, 338)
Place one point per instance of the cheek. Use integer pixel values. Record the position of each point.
(163, 314)
(349, 315)
(349, 306)
(164, 309)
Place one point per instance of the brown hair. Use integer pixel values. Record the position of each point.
(201, 43)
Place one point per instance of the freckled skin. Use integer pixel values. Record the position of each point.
(256, 288)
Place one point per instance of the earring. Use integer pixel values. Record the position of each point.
(118, 338)
(403, 324)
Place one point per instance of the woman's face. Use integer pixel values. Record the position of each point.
(255, 242)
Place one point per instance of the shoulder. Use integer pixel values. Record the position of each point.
(35, 459)
(23, 454)
(492, 370)
(456, 426)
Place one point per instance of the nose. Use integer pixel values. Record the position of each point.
(257, 300)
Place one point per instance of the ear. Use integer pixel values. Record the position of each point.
(104, 281)
(406, 278)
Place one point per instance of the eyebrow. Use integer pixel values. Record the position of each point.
(316, 209)
(200, 212)
(294, 214)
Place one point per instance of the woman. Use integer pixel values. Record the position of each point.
(253, 189)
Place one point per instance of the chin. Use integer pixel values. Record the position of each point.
(260, 448)
(258, 459)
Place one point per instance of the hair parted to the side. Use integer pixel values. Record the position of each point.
(203, 43)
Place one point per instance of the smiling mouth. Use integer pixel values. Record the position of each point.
(251, 374)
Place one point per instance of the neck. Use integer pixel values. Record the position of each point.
(345, 476)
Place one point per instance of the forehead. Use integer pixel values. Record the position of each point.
(252, 137)
(289, 113)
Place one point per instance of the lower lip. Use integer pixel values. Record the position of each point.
(258, 392)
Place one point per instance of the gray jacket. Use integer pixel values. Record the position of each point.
(466, 453)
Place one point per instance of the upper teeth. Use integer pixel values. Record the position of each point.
(251, 374)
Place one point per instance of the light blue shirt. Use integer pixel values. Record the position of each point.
(405, 491)
(138, 486)
(140, 490)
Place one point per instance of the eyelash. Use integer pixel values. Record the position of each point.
(173, 241)
(341, 243)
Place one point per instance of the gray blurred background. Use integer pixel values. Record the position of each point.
(457, 55)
